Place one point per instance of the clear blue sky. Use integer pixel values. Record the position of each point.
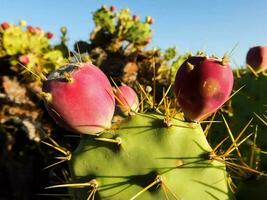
(211, 25)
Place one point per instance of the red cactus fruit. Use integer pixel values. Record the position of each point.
(136, 18)
(80, 98)
(31, 29)
(5, 25)
(126, 99)
(257, 58)
(112, 8)
(24, 59)
(202, 85)
(49, 35)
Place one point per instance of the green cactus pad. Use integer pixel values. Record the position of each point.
(178, 156)
(138, 32)
(105, 19)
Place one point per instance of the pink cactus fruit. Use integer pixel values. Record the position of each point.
(5, 25)
(257, 58)
(136, 18)
(80, 98)
(202, 85)
(112, 8)
(49, 35)
(126, 99)
(31, 29)
(24, 59)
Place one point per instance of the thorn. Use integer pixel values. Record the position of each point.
(157, 180)
(47, 96)
(253, 71)
(189, 66)
(117, 140)
(225, 59)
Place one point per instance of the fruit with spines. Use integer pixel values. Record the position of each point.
(257, 58)
(82, 98)
(126, 99)
(202, 85)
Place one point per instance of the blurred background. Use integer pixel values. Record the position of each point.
(212, 26)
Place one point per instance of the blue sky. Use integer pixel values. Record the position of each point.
(214, 26)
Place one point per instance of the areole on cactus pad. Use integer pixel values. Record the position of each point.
(79, 97)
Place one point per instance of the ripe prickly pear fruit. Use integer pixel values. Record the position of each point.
(112, 8)
(126, 99)
(257, 58)
(79, 97)
(31, 29)
(24, 59)
(202, 85)
(49, 35)
(136, 18)
(5, 25)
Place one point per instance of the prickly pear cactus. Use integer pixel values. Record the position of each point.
(145, 159)
(147, 153)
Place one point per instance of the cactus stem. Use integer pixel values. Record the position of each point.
(157, 180)
(117, 140)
